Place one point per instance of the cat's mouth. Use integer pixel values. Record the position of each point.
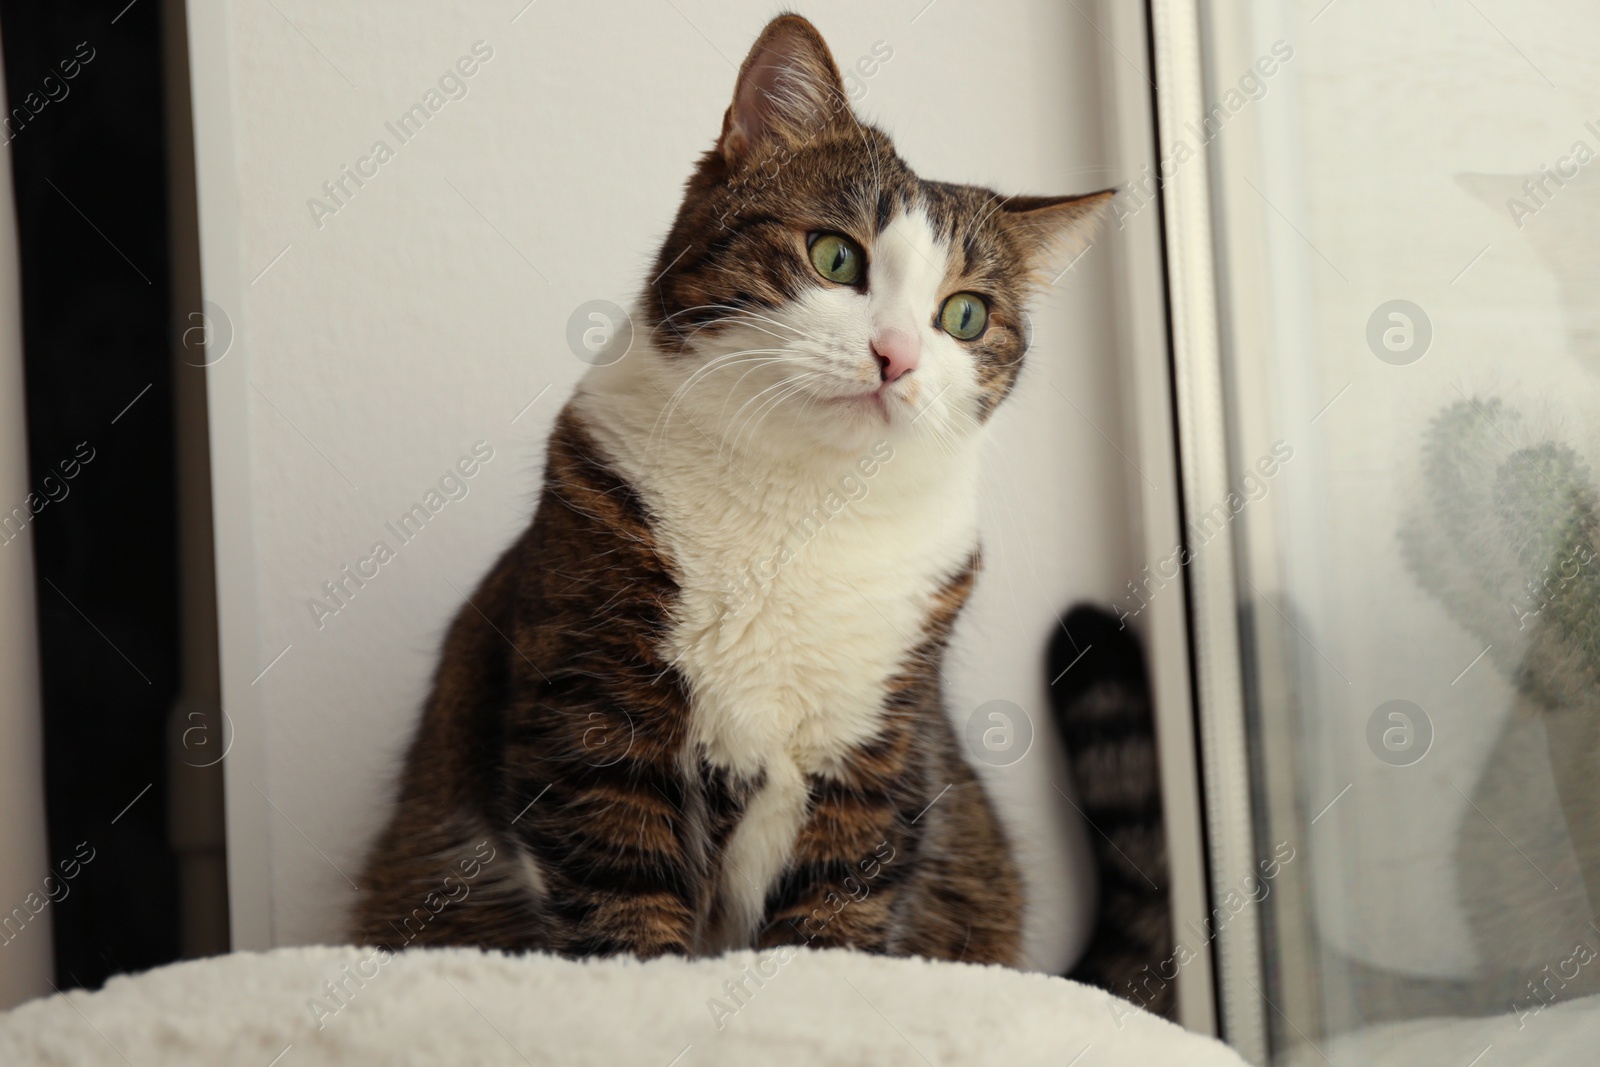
(873, 402)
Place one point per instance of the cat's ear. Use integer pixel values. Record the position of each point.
(788, 87)
(1054, 229)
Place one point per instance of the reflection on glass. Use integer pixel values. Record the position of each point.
(1407, 215)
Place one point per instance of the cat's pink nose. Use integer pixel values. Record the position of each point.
(897, 353)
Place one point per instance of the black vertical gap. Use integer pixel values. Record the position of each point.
(84, 131)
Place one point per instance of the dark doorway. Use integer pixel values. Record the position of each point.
(88, 158)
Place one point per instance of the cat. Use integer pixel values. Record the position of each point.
(697, 705)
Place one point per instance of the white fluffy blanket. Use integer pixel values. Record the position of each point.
(285, 1008)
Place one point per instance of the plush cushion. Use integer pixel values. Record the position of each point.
(461, 1006)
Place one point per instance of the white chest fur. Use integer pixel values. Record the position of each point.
(802, 590)
(790, 623)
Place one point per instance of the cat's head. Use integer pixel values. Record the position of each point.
(814, 290)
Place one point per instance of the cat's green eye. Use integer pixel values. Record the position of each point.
(964, 316)
(837, 259)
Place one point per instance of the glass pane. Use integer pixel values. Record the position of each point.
(1407, 207)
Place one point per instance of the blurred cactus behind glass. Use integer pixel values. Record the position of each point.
(1506, 536)
(1504, 532)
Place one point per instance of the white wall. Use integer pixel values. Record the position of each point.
(26, 958)
(372, 350)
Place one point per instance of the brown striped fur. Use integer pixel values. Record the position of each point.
(555, 723)
(1101, 697)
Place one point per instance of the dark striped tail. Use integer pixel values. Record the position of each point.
(1100, 694)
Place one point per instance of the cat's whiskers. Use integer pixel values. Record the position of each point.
(801, 387)
(739, 320)
(740, 315)
(941, 428)
(725, 359)
(810, 401)
(942, 438)
(760, 356)
(788, 387)
(735, 387)
(776, 386)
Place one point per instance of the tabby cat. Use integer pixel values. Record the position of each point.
(697, 705)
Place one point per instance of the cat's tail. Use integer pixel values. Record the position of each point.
(1100, 694)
